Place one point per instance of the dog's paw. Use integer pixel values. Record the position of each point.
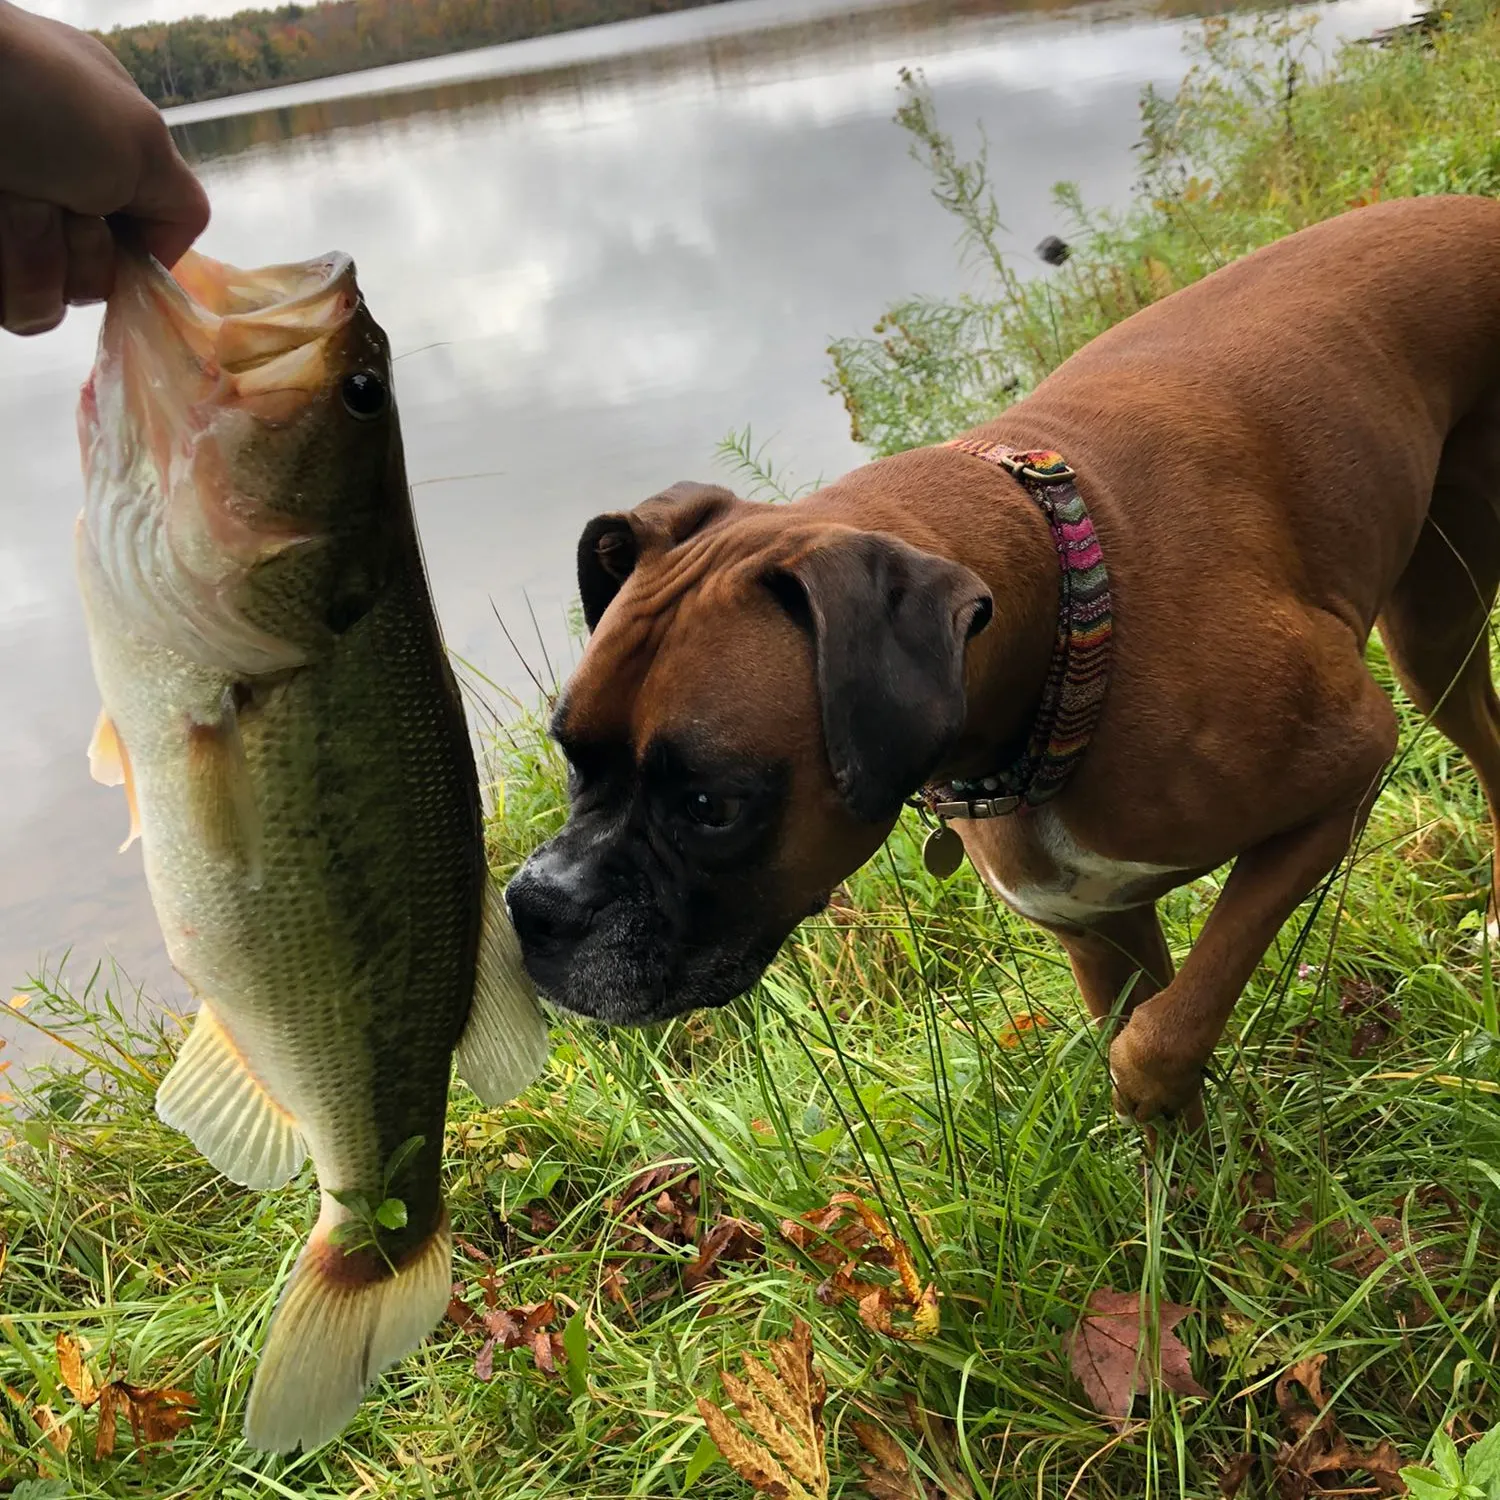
(1152, 1084)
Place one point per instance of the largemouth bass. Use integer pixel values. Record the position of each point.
(280, 711)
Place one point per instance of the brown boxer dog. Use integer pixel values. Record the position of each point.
(1275, 459)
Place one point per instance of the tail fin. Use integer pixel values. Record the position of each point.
(341, 1320)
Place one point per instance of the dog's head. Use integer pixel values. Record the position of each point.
(760, 693)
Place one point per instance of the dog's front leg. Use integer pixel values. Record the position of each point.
(1157, 1061)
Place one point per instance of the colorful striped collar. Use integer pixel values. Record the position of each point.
(1073, 693)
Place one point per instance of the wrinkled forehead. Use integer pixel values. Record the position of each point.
(717, 665)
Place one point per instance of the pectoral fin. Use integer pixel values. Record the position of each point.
(504, 1046)
(211, 1095)
(220, 793)
(109, 765)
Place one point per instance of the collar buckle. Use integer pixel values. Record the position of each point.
(977, 807)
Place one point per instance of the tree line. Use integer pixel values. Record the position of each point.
(200, 58)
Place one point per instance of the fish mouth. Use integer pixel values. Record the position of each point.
(261, 341)
(195, 368)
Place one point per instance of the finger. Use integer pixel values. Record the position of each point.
(33, 265)
(170, 205)
(91, 259)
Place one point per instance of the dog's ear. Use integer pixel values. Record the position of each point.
(612, 544)
(889, 624)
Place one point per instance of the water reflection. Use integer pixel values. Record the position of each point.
(592, 273)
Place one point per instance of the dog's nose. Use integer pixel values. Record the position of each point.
(548, 912)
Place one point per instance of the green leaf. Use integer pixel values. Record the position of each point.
(1482, 1459)
(544, 1179)
(37, 1135)
(705, 1456)
(352, 1232)
(401, 1157)
(352, 1199)
(40, 1489)
(1423, 1484)
(1445, 1458)
(576, 1346)
(391, 1214)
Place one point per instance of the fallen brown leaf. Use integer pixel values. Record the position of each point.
(75, 1373)
(155, 1415)
(729, 1239)
(1236, 1472)
(849, 1235)
(512, 1327)
(1107, 1355)
(1317, 1447)
(1011, 1033)
(889, 1476)
(1372, 1011)
(785, 1411)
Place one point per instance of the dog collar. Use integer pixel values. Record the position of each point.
(1077, 677)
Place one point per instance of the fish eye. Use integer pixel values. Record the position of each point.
(364, 395)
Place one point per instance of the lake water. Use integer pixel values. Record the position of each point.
(596, 255)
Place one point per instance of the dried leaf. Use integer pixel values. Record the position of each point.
(849, 1234)
(785, 1410)
(1107, 1355)
(56, 1431)
(104, 1433)
(889, 1477)
(1372, 1011)
(729, 1239)
(155, 1416)
(1317, 1446)
(76, 1375)
(1235, 1474)
(1011, 1033)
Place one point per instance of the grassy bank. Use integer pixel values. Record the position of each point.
(916, 1046)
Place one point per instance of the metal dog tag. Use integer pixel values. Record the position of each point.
(943, 852)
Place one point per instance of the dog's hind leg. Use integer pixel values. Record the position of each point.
(1436, 623)
(1118, 949)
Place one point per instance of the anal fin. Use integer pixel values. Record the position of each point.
(109, 765)
(504, 1045)
(211, 1096)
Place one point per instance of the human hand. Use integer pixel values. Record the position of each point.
(78, 141)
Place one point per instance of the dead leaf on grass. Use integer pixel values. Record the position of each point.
(511, 1328)
(850, 1236)
(1317, 1447)
(1011, 1033)
(1109, 1352)
(75, 1373)
(785, 1411)
(1373, 1013)
(155, 1414)
(1236, 1472)
(728, 1240)
(889, 1473)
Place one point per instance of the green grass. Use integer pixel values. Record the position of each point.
(1337, 1204)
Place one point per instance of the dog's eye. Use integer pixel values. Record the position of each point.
(710, 811)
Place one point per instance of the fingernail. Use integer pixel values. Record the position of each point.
(26, 218)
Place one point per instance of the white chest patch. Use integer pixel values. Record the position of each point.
(1087, 884)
